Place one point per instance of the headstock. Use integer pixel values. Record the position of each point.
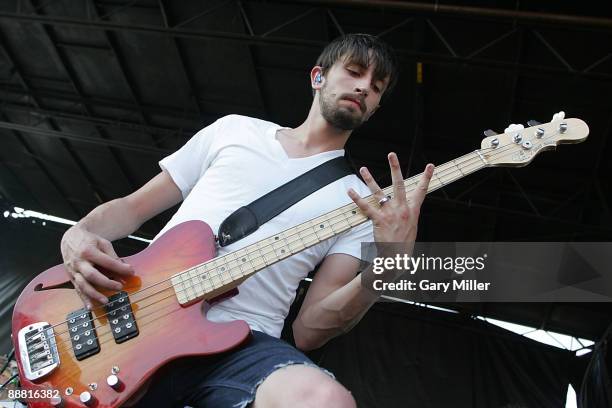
(519, 147)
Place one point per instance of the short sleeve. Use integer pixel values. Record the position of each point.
(189, 163)
(349, 242)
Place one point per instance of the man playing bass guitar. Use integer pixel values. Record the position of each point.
(225, 166)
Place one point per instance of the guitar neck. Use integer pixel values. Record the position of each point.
(226, 272)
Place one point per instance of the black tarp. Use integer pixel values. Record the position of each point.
(407, 356)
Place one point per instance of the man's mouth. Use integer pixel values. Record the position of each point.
(354, 101)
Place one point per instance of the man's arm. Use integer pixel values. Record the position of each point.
(334, 303)
(88, 243)
(337, 300)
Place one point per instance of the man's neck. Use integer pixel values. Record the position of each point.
(313, 136)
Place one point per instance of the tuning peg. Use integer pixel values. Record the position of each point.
(558, 116)
(532, 122)
(489, 132)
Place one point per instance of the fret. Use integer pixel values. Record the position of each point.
(197, 279)
(287, 244)
(179, 288)
(458, 168)
(231, 263)
(299, 232)
(295, 244)
(189, 293)
(436, 178)
(225, 268)
(354, 216)
(279, 247)
(337, 223)
(249, 264)
(343, 222)
(271, 253)
(240, 260)
(262, 255)
(228, 270)
(446, 173)
(314, 230)
(204, 277)
(324, 231)
(258, 263)
(310, 233)
(215, 274)
(481, 157)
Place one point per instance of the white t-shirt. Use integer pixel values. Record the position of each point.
(228, 165)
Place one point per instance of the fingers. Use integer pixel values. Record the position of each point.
(399, 189)
(86, 291)
(371, 183)
(92, 275)
(104, 255)
(366, 208)
(106, 247)
(418, 194)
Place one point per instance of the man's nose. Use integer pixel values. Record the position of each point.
(363, 86)
(363, 90)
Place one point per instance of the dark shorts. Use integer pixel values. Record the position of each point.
(226, 380)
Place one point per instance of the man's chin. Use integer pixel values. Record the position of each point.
(345, 122)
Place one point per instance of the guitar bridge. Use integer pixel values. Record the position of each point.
(37, 350)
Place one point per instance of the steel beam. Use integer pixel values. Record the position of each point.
(279, 41)
(96, 121)
(436, 8)
(181, 61)
(51, 42)
(85, 139)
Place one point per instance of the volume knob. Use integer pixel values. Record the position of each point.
(114, 382)
(87, 399)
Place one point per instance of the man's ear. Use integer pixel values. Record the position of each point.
(316, 77)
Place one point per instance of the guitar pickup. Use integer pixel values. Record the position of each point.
(82, 334)
(121, 317)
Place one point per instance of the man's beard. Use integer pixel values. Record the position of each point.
(337, 116)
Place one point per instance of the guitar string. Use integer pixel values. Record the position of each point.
(412, 181)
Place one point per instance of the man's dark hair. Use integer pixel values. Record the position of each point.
(363, 50)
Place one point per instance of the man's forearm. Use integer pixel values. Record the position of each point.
(333, 315)
(112, 220)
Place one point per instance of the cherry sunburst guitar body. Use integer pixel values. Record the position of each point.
(104, 357)
(167, 330)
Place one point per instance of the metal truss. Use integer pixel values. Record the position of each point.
(418, 19)
(327, 7)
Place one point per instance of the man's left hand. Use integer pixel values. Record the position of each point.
(394, 219)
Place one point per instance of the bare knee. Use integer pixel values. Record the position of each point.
(301, 386)
(329, 394)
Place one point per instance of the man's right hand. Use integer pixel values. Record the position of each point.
(82, 252)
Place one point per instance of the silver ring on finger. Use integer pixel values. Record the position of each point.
(383, 200)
